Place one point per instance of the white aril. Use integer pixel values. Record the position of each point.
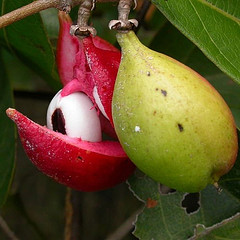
(79, 117)
(98, 102)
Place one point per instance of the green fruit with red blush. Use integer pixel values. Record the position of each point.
(170, 121)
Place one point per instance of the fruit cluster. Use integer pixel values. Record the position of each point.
(170, 122)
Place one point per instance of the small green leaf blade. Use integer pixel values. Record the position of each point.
(212, 28)
(169, 220)
(228, 229)
(7, 139)
(29, 40)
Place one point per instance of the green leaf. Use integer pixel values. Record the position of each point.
(167, 41)
(167, 219)
(50, 20)
(28, 39)
(165, 216)
(228, 229)
(214, 26)
(7, 140)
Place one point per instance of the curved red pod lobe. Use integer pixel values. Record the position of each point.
(104, 67)
(82, 165)
(93, 64)
(67, 48)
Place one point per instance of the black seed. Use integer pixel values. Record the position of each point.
(180, 127)
(191, 202)
(58, 121)
(79, 157)
(164, 92)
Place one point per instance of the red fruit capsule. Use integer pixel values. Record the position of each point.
(88, 70)
(91, 67)
(82, 165)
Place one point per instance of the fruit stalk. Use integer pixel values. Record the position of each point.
(35, 7)
(123, 24)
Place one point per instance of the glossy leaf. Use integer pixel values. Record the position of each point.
(7, 139)
(50, 21)
(228, 229)
(164, 216)
(28, 39)
(212, 25)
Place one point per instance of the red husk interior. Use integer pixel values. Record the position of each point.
(85, 166)
(87, 63)
(69, 44)
(82, 165)
(104, 67)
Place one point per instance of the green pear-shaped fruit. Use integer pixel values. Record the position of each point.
(170, 121)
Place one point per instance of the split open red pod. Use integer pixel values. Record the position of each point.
(89, 67)
(85, 166)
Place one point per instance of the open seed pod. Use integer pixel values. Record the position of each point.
(70, 149)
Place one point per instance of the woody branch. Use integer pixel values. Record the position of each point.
(37, 6)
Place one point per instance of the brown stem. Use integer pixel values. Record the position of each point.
(84, 13)
(125, 227)
(68, 215)
(35, 7)
(124, 8)
(27, 10)
(72, 215)
(9, 233)
(82, 29)
(123, 24)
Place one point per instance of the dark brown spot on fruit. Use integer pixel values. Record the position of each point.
(154, 113)
(148, 74)
(164, 92)
(191, 202)
(156, 89)
(180, 127)
(58, 121)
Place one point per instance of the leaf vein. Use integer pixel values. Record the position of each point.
(208, 34)
(164, 219)
(221, 11)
